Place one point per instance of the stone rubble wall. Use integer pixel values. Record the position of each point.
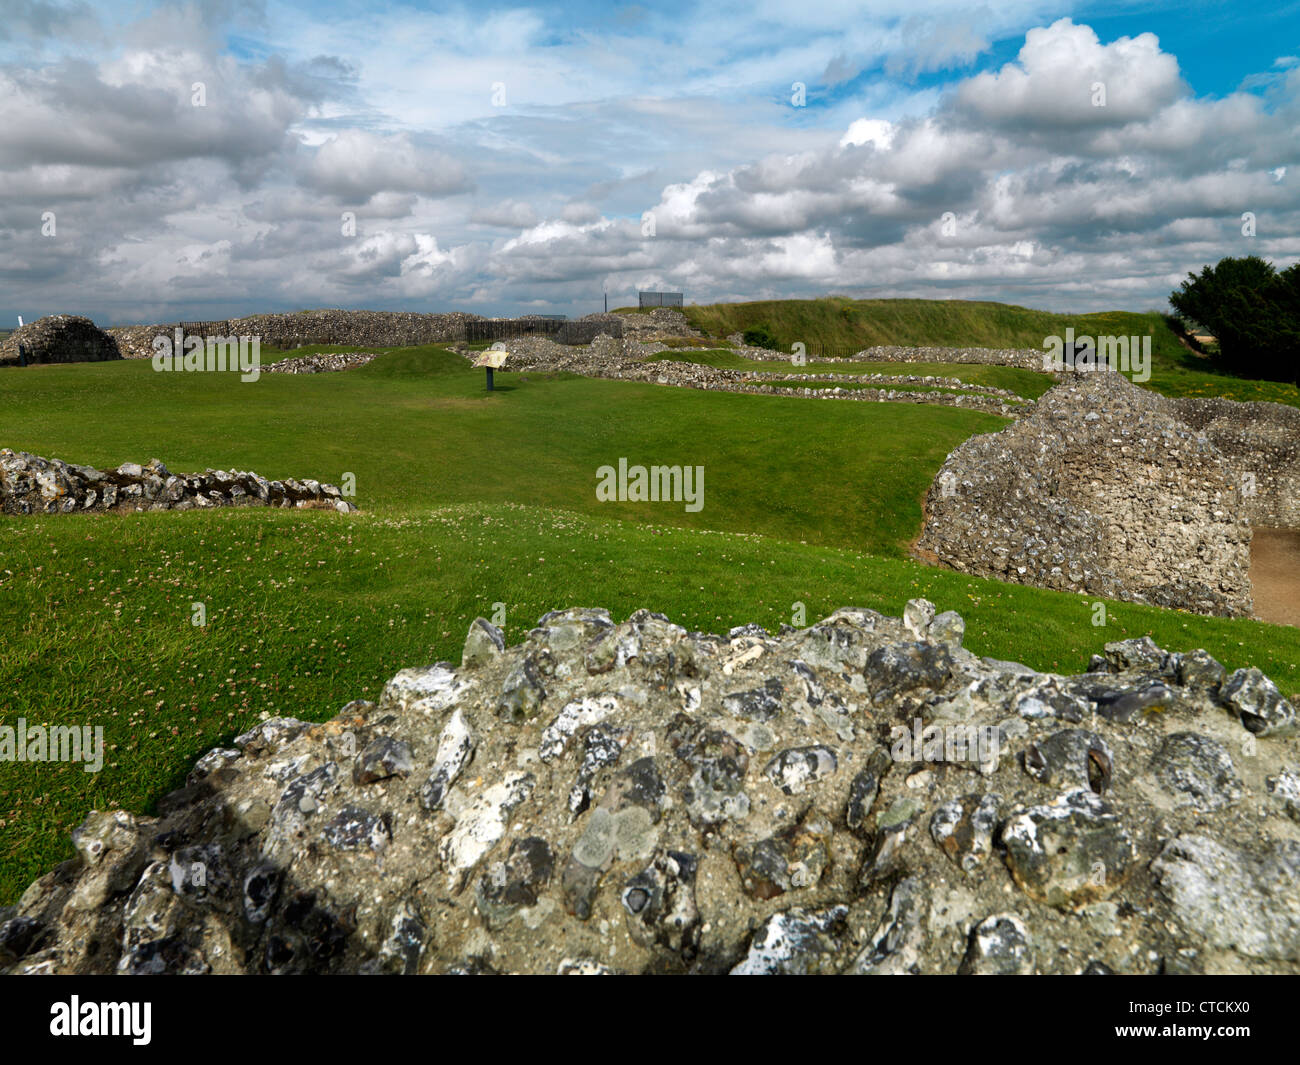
(1106, 488)
(660, 322)
(1261, 440)
(863, 796)
(59, 338)
(381, 329)
(30, 484)
(326, 362)
(1022, 358)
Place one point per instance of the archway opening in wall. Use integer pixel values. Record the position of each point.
(1275, 574)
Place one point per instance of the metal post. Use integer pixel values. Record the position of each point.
(489, 371)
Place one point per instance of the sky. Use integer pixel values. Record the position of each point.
(205, 160)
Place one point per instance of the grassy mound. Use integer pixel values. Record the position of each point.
(839, 326)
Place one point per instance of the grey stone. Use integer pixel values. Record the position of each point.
(1257, 702)
(1197, 770)
(1068, 852)
(999, 946)
(383, 757)
(1235, 901)
(637, 822)
(485, 643)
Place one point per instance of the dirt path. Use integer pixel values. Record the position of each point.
(1275, 575)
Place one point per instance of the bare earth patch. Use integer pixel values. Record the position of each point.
(1275, 575)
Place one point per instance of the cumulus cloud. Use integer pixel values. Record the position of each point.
(1059, 77)
(356, 165)
(506, 214)
(43, 18)
(295, 185)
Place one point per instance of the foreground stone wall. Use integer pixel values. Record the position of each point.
(59, 338)
(1101, 489)
(1262, 440)
(30, 484)
(637, 798)
(363, 328)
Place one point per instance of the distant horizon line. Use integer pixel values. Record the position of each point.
(114, 324)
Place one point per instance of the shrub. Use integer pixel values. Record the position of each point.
(761, 337)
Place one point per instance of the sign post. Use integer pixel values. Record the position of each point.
(492, 359)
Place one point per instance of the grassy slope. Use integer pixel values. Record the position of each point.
(836, 323)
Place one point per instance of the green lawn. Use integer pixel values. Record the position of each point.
(417, 426)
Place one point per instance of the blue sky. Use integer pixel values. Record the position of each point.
(508, 157)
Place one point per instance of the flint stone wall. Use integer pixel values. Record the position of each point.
(380, 329)
(384, 328)
(1023, 358)
(1259, 439)
(324, 362)
(59, 338)
(1103, 489)
(30, 484)
(636, 798)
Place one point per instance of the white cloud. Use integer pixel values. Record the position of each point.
(356, 165)
(1053, 80)
(506, 214)
(877, 132)
(540, 203)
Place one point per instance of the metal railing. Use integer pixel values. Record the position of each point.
(659, 299)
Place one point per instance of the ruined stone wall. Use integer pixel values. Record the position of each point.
(59, 338)
(1262, 440)
(1103, 489)
(362, 328)
(1023, 358)
(30, 484)
(864, 796)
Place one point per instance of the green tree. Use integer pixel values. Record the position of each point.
(1253, 312)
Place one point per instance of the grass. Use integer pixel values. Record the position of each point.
(307, 610)
(416, 425)
(843, 323)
